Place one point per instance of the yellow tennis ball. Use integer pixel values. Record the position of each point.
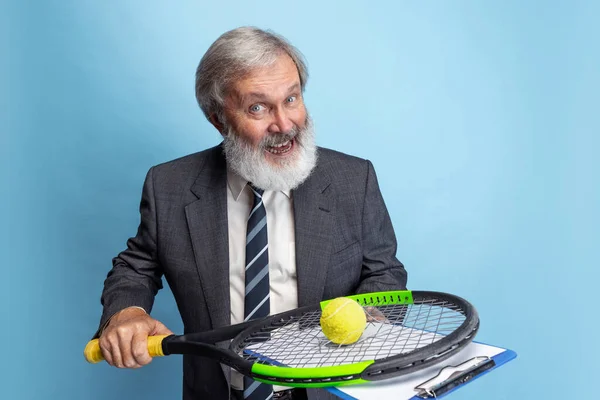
(343, 321)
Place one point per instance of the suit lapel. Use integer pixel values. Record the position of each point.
(314, 210)
(207, 223)
(313, 217)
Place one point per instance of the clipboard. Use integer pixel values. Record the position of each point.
(475, 360)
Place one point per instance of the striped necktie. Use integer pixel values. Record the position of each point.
(257, 304)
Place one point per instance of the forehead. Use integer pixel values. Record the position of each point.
(274, 79)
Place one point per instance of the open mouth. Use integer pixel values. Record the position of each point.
(281, 148)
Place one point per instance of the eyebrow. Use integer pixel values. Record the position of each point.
(262, 96)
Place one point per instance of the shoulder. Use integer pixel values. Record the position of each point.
(330, 155)
(190, 160)
(183, 171)
(189, 164)
(341, 165)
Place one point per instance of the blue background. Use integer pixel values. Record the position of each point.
(481, 119)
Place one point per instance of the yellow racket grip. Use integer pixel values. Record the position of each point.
(93, 354)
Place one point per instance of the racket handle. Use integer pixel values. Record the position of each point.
(93, 354)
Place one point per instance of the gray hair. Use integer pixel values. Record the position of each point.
(234, 54)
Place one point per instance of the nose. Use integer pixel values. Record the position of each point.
(281, 122)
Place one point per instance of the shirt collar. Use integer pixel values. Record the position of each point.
(237, 184)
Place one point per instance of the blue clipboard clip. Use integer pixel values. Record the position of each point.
(452, 376)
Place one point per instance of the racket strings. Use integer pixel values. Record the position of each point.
(391, 330)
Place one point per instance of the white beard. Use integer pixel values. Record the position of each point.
(250, 163)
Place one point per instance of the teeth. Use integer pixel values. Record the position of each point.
(282, 144)
(278, 149)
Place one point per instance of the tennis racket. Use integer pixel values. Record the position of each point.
(418, 329)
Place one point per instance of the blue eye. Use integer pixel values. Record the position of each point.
(256, 108)
(291, 99)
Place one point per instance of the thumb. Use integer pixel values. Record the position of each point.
(160, 329)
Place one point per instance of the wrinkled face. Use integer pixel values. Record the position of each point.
(268, 136)
(266, 110)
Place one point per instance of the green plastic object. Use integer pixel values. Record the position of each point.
(308, 373)
(379, 298)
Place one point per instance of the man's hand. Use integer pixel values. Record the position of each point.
(124, 340)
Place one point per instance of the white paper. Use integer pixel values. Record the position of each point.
(403, 387)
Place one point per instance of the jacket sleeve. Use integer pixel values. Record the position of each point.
(381, 270)
(136, 275)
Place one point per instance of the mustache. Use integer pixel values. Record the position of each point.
(275, 139)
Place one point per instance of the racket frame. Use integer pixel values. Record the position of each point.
(360, 372)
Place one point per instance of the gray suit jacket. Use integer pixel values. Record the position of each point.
(345, 244)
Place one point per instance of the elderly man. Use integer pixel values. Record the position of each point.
(263, 223)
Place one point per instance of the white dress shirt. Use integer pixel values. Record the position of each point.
(282, 250)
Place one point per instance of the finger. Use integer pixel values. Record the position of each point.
(139, 347)
(115, 350)
(160, 329)
(375, 315)
(105, 347)
(125, 338)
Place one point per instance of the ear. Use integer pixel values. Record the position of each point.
(214, 120)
